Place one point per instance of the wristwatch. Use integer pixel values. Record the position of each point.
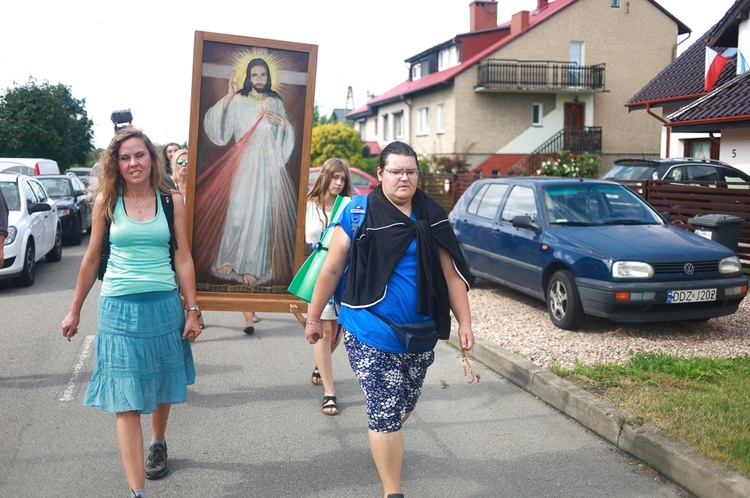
(193, 308)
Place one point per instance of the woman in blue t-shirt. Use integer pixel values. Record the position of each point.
(144, 361)
(406, 266)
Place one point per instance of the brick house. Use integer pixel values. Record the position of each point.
(556, 77)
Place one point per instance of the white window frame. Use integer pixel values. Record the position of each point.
(363, 129)
(447, 58)
(398, 125)
(416, 71)
(423, 124)
(385, 126)
(440, 118)
(615, 4)
(537, 114)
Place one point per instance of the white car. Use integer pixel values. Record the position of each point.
(34, 231)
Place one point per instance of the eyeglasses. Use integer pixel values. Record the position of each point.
(410, 173)
(181, 161)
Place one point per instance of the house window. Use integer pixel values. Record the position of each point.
(385, 126)
(700, 148)
(536, 114)
(615, 4)
(441, 118)
(576, 61)
(416, 71)
(447, 58)
(423, 127)
(362, 129)
(398, 125)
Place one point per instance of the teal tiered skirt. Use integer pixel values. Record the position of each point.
(141, 359)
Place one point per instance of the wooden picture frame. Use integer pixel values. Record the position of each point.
(248, 164)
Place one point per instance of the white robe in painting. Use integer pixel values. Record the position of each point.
(257, 239)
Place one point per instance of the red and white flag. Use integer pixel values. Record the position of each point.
(715, 63)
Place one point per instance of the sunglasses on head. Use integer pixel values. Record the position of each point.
(181, 161)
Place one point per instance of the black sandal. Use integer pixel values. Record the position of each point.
(329, 402)
(315, 377)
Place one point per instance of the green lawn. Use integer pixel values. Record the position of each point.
(703, 402)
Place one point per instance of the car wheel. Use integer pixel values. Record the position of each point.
(75, 236)
(563, 301)
(56, 253)
(26, 278)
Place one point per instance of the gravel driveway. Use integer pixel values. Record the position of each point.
(520, 324)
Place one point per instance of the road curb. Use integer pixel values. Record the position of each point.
(673, 459)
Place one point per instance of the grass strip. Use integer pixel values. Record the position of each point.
(703, 402)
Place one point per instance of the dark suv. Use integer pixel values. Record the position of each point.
(682, 169)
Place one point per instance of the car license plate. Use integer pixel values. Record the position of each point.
(691, 296)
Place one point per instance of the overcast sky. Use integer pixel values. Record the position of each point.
(141, 57)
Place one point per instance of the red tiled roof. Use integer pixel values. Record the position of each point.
(374, 147)
(536, 17)
(682, 79)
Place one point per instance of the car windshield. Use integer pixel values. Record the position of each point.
(57, 187)
(631, 172)
(10, 192)
(586, 204)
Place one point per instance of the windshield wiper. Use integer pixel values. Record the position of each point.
(623, 221)
(571, 223)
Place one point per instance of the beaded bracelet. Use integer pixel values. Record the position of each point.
(311, 323)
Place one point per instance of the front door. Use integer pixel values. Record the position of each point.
(573, 124)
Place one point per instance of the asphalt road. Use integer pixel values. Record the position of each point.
(253, 427)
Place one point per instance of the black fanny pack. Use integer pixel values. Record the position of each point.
(416, 337)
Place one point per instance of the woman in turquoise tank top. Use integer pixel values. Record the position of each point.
(144, 361)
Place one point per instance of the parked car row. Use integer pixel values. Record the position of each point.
(73, 204)
(593, 247)
(34, 230)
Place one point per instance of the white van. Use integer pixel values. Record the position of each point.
(41, 166)
(15, 167)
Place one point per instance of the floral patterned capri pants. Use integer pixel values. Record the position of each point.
(391, 382)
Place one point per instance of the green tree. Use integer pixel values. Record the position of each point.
(45, 121)
(336, 140)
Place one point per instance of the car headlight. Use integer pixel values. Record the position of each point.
(64, 211)
(632, 269)
(11, 235)
(730, 265)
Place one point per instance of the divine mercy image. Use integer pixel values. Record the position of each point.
(246, 194)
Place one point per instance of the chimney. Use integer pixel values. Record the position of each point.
(483, 15)
(519, 22)
(540, 4)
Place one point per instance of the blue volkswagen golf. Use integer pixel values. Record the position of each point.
(593, 247)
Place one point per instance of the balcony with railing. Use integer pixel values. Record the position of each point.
(515, 75)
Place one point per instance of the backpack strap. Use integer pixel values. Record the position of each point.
(167, 205)
(357, 211)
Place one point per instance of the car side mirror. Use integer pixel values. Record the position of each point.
(39, 207)
(525, 221)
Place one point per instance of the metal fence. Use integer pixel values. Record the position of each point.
(515, 74)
